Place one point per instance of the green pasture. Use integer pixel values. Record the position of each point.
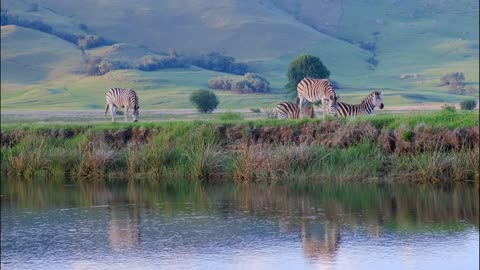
(419, 40)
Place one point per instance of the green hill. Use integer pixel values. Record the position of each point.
(400, 47)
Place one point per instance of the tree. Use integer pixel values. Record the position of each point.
(205, 101)
(304, 66)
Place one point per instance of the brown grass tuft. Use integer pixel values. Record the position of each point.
(351, 135)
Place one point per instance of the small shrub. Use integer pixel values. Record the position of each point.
(255, 110)
(205, 101)
(468, 104)
(448, 108)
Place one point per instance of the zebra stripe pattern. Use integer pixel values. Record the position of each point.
(123, 98)
(290, 110)
(366, 107)
(316, 90)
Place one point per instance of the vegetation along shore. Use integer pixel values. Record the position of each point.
(440, 146)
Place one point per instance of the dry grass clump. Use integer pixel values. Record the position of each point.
(263, 162)
(404, 140)
(387, 141)
(10, 139)
(351, 135)
(29, 159)
(207, 161)
(94, 159)
(465, 164)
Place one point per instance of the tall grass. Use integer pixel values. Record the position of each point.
(248, 151)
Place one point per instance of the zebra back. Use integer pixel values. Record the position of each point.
(291, 110)
(313, 90)
(122, 97)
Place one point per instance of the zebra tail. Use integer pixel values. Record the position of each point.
(298, 100)
(106, 110)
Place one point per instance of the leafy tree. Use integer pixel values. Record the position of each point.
(206, 101)
(304, 66)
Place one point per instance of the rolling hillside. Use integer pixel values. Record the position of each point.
(365, 45)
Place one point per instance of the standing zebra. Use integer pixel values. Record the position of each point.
(290, 110)
(366, 107)
(123, 98)
(316, 90)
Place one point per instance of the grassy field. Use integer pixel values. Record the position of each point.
(422, 40)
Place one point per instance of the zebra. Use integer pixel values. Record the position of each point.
(366, 107)
(123, 98)
(290, 110)
(316, 90)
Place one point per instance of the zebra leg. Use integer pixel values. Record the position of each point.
(324, 108)
(113, 111)
(126, 114)
(300, 107)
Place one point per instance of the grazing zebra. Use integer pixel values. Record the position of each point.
(316, 90)
(366, 107)
(290, 110)
(123, 98)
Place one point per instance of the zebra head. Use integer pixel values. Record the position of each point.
(333, 105)
(136, 113)
(377, 100)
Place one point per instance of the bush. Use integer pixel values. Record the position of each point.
(92, 41)
(248, 83)
(455, 81)
(218, 62)
(304, 66)
(448, 108)
(96, 66)
(150, 62)
(468, 104)
(205, 101)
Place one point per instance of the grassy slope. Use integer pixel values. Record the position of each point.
(49, 58)
(415, 37)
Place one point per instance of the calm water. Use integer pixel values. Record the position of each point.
(190, 226)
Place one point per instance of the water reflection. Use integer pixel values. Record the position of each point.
(326, 226)
(125, 227)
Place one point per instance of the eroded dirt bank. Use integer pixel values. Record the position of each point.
(329, 133)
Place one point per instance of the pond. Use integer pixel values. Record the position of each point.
(185, 225)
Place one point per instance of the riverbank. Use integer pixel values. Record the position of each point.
(428, 147)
